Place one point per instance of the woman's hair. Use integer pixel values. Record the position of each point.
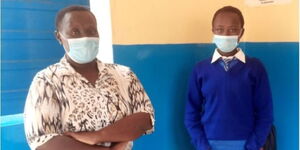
(231, 10)
(60, 15)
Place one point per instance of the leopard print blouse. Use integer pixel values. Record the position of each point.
(61, 100)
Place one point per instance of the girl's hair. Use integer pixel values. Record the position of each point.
(231, 10)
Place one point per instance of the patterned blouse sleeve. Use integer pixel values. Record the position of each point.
(139, 100)
(42, 117)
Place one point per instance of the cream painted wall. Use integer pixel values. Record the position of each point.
(189, 21)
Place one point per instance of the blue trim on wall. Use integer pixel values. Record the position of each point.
(11, 120)
(164, 69)
(13, 138)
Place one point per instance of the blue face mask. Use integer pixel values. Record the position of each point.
(83, 50)
(226, 43)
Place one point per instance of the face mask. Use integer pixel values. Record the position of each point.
(83, 50)
(226, 43)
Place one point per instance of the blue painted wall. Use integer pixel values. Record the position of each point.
(28, 45)
(164, 71)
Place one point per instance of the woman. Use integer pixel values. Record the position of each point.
(229, 103)
(81, 103)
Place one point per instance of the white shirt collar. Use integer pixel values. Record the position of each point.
(239, 55)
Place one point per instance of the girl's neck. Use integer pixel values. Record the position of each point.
(232, 53)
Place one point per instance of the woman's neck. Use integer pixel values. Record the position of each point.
(91, 66)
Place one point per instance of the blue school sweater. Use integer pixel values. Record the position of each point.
(229, 105)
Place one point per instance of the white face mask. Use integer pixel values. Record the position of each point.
(83, 50)
(226, 43)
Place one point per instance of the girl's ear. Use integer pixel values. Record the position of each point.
(241, 34)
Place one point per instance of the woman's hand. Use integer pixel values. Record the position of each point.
(120, 146)
(84, 137)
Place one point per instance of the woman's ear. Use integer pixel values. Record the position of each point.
(58, 37)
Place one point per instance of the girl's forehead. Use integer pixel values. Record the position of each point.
(227, 18)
